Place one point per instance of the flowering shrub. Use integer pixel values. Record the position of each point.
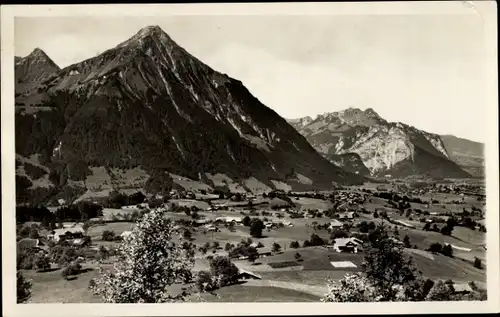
(352, 288)
(148, 262)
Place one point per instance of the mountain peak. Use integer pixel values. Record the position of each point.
(151, 31)
(371, 112)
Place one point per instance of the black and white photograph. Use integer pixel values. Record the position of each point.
(157, 155)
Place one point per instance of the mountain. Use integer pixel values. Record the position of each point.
(32, 70)
(468, 154)
(380, 147)
(150, 106)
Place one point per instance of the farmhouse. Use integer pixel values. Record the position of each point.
(335, 224)
(347, 245)
(347, 215)
(246, 275)
(80, 242)
(462, 288)
(263, 252)
(66, 233)
(229, 219)
(31, 244)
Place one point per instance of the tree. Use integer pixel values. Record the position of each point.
(435, 247)
(34, 233)
(23, 288)
(24, 232)
(256, 227)
(276, 247)
(447, 250)
(316, 240)
(187, 234)
(215, 245)
(205, 281)
(224, 270)
(477, 263)
(228, 247)
(386, 266)
(103, 252)
(352, 288)
(294, 244)
(298, 257)
(86, 226)
(148, 262)
(246, 221)
(375, 214)
(252, 254)
(407, 242)
(427, 226)
(42, 263)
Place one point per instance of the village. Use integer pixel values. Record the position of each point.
(291, 241)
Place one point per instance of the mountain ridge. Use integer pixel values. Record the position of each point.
(148, 103)
(384, 147)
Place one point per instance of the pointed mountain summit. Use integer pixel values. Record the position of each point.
(380, 147)
(33, 69)
(150, 105)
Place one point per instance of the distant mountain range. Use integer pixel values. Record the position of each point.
(149, 106)
(364, 143)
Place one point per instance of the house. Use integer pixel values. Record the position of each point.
(80, 242)
(229, 219)
(200, 222)
(265, 251)
(462, 288)
(288, 223)
(348, 215)
(246, 275)
(212, 228)
(129, 207)
(66, 233)
(347, 245)
(61, 202)
(335, 224)
(31, 244)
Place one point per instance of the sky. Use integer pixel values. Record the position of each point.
(424, 70)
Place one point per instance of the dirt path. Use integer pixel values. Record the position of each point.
(311, 289)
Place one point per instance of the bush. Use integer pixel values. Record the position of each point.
(205, 281)
(42, 263)
(72, 269)
(108, 235)
(435, 247)
(23, 288)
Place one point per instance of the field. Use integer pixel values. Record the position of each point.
(284, 276)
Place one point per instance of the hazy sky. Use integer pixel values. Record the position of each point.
(426, 71)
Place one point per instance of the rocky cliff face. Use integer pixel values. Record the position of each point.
(383, 147)
(149, 103)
